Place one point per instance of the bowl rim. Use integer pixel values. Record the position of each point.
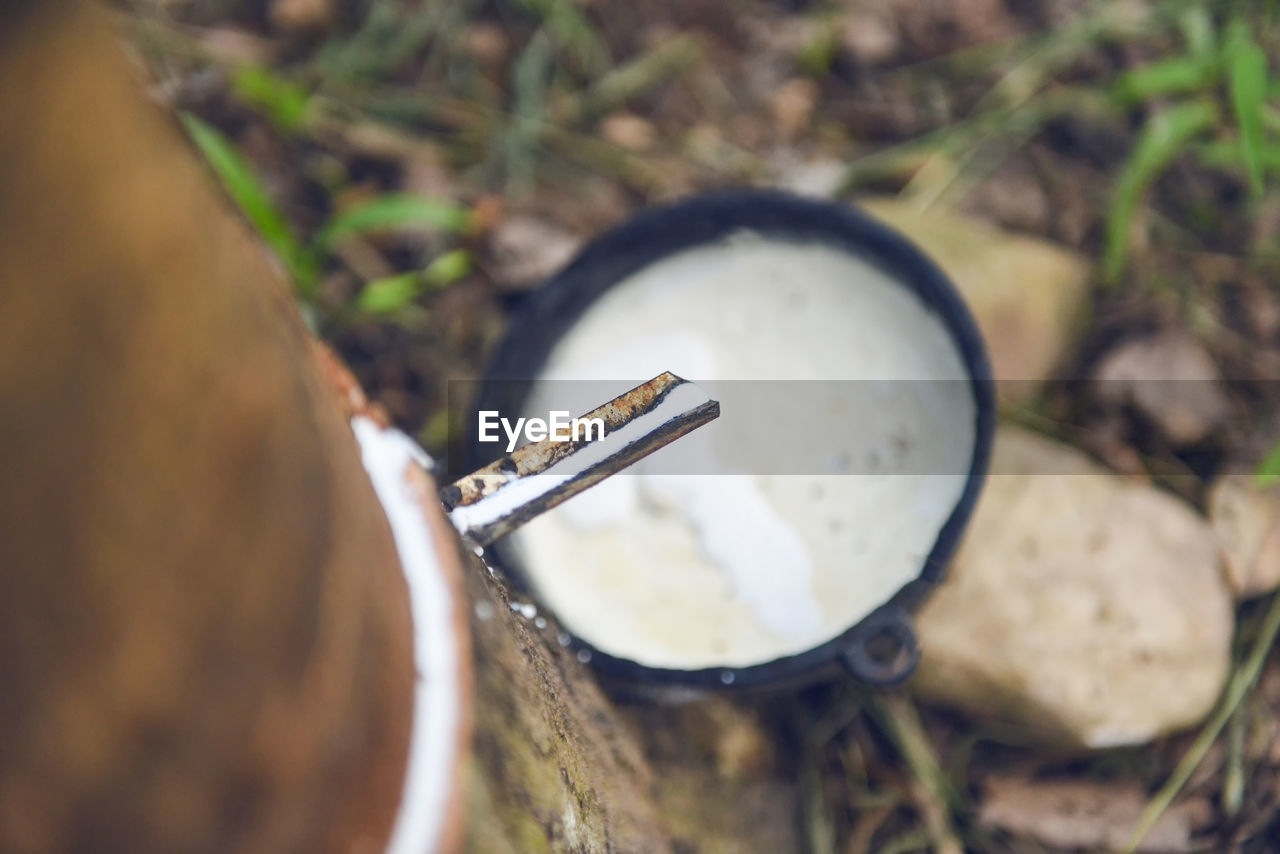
(546, 313)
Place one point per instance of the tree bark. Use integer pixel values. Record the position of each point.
(560, 764)
(204, 638)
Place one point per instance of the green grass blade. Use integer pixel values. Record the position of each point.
(388, 295)
(1164, 136)
(1247, 79)
(1196, 26)
(1170, 77)
(243, 185)
(450, 267)
(393, 293)
(531, 75)
(285, 103)
(396, 211)
(1268, 473)
(572, 32)
(1241, 682)
(1225, 154)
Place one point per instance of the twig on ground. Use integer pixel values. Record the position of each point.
(1242, 680)
(934, 793)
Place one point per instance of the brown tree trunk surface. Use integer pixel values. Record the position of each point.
(561, 766)
(204, 641)
(204, 637)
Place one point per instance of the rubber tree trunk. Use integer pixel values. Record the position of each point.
(204, 637)
(560, 765)
(204, 641)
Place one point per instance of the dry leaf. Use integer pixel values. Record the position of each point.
(629, 131)
(792, 105)
(301, 15)
(1094, 815)
(527, 250)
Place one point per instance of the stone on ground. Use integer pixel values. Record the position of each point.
(1085, 608)
(1246, 521)
(1027, 294)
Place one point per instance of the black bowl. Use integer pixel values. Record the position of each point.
(879, 650)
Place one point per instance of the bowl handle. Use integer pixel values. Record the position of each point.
(882, 650)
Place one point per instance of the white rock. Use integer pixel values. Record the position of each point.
(1246, 521)
(1172, 379)
(1084, 607)
(1027, 294)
